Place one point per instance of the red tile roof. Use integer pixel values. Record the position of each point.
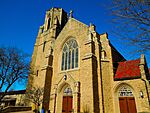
(128, 70)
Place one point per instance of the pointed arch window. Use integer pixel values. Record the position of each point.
(48, 25)
(44, 46)
(70, 55)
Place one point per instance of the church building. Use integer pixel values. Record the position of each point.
(81, 71)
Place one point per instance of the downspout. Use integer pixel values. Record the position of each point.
(143, 74)
(146, 90)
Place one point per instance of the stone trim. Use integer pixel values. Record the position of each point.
(46, 67)
(88, 56)
(105, 60)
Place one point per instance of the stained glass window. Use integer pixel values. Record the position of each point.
(73, 58)
(125, 92)
(68, 91)
(76, 60)
(70, 55)
(62, 65)
(69, 60)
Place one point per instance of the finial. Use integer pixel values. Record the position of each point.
(71, 14)
(91, 24)
(92, 27)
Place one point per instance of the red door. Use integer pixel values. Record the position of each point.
(127, 105)
(67, 104)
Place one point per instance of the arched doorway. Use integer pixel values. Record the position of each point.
(67, 100)
(126, 100)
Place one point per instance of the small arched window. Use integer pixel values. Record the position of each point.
(70, 55)
(103, 54)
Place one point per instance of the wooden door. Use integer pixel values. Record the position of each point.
(131, 105)
(67, 104)
(127, 105)
(123, 105)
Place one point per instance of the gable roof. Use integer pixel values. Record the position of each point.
(128, 70)
(69, 26)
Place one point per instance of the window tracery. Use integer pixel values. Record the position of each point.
(125, 92)
(70, 55)
(68, 91)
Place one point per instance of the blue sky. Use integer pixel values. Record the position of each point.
(20, 21)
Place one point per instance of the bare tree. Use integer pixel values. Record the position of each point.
(14, 67)
(35, 95)
(133, 22)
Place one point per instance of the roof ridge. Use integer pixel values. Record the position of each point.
(129, 60)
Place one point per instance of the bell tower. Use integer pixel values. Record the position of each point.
(42, 57)
(54, 18)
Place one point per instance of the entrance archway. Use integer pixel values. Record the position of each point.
(126, 100)
(67, 100)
